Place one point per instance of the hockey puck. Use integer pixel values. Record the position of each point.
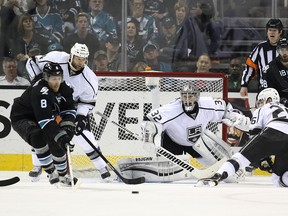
(135, 192)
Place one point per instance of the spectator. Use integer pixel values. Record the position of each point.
(234, 74)
(204, 13)
(190, 43)
(181, 13)
(8, 24)
(155, 8)
(114, 56)
(29, 43)
(167, 39)
(147, 25)
(151, 56)
(261, 55)
(134, 43)
(101, 23)
(48, 23)
(100, 61)
(68, 10)
(82, 36)
(203, 63)
(10, 71)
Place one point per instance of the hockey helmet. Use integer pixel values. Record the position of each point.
(52, 69)
(189, 95)
(80, 50)
(274, 23)
(267, 93)
(282, 43)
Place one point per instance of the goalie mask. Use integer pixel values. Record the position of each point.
(189, 95)
(267, 93)
(78, 57)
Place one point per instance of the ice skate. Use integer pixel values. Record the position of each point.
(35, 173)
(53, 177)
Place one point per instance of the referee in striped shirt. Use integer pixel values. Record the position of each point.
(261, 55)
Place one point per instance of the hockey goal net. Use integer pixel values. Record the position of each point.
(125, 98)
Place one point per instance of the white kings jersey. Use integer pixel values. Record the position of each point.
(181, 127)
(272, 115)
(84, 84)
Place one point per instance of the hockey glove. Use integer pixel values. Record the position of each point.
(266, 164)
(69, 127)
(81, 123)
(239, 121)
(148, 131)
(62, 138)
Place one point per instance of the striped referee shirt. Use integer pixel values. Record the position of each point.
(257, 61)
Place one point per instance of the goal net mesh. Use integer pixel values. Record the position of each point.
(125, 100)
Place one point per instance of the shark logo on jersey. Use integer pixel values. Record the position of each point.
(194, 133)
(44, 90)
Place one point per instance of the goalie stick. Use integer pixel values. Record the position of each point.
(198, 173)
(10, 181)
(139, 180)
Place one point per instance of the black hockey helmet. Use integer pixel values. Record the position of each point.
(282, 43)
(52, 69)
(274, 23)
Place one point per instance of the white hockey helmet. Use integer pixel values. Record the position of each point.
(267, 93)
(80, 50)
(189, 95)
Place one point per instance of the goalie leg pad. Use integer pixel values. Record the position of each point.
(208, 150)
(154, 169)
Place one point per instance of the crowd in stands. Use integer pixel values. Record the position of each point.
(165, 35)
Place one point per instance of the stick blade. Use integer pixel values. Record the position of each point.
(135, 181)
(10, 181)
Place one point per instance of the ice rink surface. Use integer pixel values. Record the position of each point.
(256, 196)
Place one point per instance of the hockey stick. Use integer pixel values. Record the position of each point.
(139, 180)
(10, 181)
(198, 173)
(70, 166)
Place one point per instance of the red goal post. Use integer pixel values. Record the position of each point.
(126, 97)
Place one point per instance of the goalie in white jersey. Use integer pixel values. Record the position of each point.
(85, 85)
(184, 121)
(269, 124)
(180, 125)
